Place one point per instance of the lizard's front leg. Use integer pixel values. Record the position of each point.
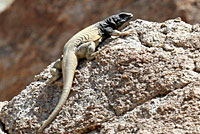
(118, 33)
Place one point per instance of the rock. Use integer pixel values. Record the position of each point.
(130, 87)
(33, 33)
(2, 127)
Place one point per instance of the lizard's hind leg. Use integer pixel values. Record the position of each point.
(55, 71)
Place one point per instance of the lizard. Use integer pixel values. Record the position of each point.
(83, 45)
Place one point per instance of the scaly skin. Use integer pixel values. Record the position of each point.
(83, 45)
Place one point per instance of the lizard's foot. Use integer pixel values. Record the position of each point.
(118, 33)
(99, 51)
(126, 33)
(55, 75)
(55, 71)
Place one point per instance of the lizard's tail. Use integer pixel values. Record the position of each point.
(69, 64)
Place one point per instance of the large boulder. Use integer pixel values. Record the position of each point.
(148, 82)
(33, 33)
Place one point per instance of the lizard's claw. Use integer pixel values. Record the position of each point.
(126, 33)
(99, 51)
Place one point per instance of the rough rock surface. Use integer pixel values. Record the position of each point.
(2, 126)
(148, 82)
(33, 33)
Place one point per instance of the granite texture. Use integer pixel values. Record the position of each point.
(148, 82)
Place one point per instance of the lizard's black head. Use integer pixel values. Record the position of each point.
(116, 21)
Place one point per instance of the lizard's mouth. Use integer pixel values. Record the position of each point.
(129, 16)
